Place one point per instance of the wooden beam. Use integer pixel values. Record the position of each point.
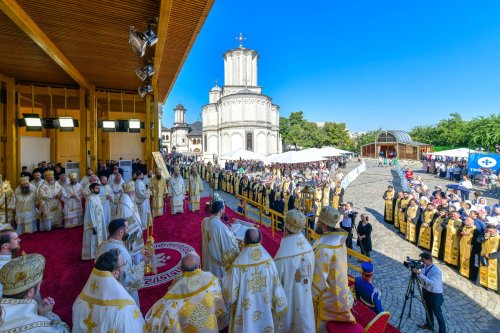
(26, 89)
(17, 14)
(203, 17)
(117, 96)
(161, 32)
(12, 158)
(92, 130)
(83, 135)
(147, 125)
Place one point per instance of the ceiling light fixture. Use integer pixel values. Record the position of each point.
(146, 71)
(145, 89)
(140, 40)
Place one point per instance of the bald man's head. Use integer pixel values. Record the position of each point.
(190, 262)
(253, 236)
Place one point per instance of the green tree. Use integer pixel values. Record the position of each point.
(426, 134)
(484, 131)
(335, 134)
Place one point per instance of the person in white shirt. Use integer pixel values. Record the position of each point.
(468, 185)
(432, 288)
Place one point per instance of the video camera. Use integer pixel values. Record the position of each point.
(413, 263)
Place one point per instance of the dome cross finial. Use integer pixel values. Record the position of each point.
(241, 39)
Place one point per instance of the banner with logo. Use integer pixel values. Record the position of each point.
(478, 162)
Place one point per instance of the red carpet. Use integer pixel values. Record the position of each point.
(66, 274)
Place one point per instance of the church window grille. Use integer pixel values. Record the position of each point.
(250, 141)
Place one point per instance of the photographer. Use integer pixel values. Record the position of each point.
(348, 222)
(432, 282)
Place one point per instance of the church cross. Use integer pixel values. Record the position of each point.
(241, 39)
(256, 283)
(216, 82)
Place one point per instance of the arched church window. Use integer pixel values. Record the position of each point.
(166, 136)
(250, 141)
(205, 143)
(163, 137)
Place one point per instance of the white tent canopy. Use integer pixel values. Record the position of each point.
(241, 154)
(291, 157)
(332, 151)
(459, 152)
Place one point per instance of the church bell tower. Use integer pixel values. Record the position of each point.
(180, 115)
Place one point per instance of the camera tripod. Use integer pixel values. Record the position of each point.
(410, 294)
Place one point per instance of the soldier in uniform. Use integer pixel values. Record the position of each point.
(365, 291)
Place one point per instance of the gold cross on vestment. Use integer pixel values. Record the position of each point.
(301, 244)
(89, 322)
(94, 286)
(256, 283)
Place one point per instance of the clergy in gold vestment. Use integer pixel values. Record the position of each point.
(7, 202)
(425, 232)
(177, 192)
(437, 233)
(389, 208)
(21, 312)
(104, 305)
(490, 252)
(452, 240)
(411, 216)
(158, 191)
(93, 233)
(295, 262)
(72, 195)
(49, 195)
(26, 213)
(195, 187)
(193, 303)
(403, 204)
(466, 238)
(219, 247)
(397, 203)
(330, 280)
(253, 290)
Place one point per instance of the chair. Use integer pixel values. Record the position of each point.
(376, 325)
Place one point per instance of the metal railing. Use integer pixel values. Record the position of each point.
(258, 214)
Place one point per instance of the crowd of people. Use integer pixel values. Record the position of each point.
(463, 233)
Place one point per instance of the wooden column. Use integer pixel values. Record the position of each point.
(92, 130)
(12, 158)
(149, 156)
(83, 134)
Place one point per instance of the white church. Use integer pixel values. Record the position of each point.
(239, 116)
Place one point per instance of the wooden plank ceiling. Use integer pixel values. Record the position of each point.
(93, 35)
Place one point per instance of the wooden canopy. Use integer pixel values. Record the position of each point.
(80, 49)
(85, 43)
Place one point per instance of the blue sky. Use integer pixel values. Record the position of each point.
(390, 64)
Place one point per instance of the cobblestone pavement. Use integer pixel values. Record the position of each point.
(467, 307)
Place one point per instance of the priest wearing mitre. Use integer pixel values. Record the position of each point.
(193, 302)
(104, 305)
(72, 195)
(195, 187)
(158, 191)
(252, 288)
(49, 195)
(127, 209)
(26, 213)
(142, 195)
(23, 309)
(295, 263)
(218, 245)
(177, 192)
(331, 294)
(93, 223)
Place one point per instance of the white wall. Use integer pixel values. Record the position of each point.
(34, 150)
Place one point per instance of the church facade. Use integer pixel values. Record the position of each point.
(183, 138)
(238, 115)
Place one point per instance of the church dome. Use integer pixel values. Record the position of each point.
(216, 88)
(180, 107)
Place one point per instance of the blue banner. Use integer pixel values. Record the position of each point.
(478, 162)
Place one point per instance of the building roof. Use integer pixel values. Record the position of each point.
(397, 136)
(180, 107)
(195, 129)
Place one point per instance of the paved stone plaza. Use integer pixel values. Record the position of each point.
(467, 307)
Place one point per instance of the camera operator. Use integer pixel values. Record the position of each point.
(432, 282)
(348, 222)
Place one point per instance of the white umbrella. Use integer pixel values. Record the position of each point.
(459, 152)
(241, 154)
